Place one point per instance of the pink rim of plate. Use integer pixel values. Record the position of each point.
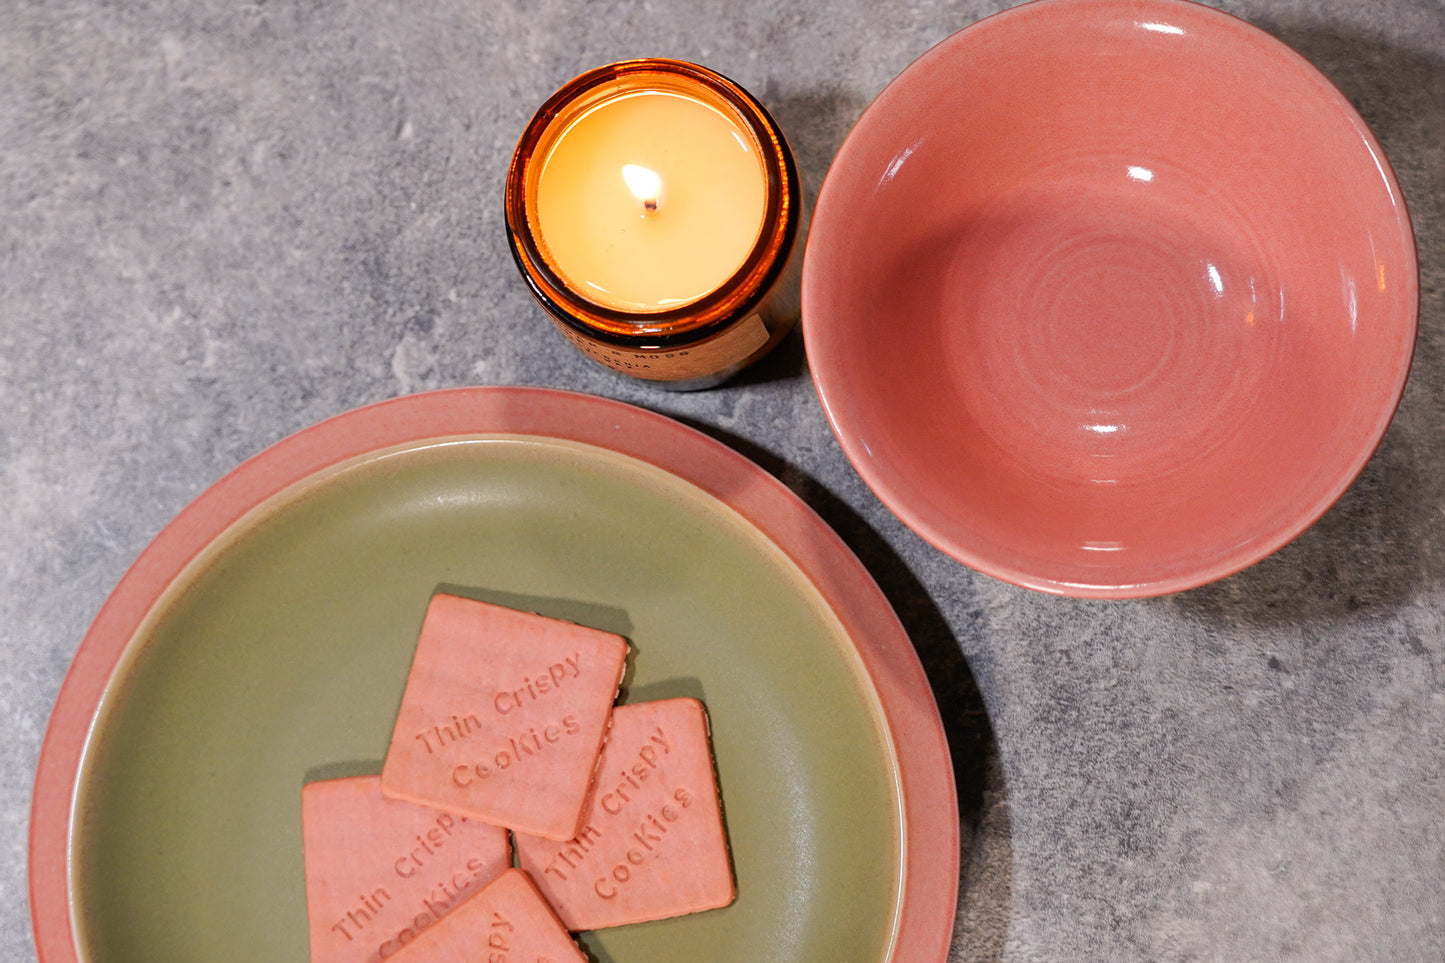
(939, 495)
(925, 775)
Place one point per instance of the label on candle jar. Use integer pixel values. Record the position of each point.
(680, 364)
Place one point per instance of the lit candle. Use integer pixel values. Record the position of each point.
(601, 215)
(653, 207)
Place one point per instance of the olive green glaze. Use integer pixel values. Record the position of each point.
(281, 658)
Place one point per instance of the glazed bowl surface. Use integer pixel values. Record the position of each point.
(1110, 298)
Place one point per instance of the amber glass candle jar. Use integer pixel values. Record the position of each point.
(654, 209)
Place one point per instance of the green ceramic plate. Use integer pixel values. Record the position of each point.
(267, 643)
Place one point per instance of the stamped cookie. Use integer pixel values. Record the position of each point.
(652, 844)
(508, 921)
(379, 871)
(503, 716)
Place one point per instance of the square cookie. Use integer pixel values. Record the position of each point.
(503, 716)
(652, 844)
(380, 870)
(507, 921)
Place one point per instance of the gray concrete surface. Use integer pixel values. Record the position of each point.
(224, 220)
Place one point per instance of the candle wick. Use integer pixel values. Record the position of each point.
(645, 185)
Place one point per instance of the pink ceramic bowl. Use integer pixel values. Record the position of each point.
(1110, 298)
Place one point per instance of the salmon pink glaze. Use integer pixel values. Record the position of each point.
(1109, 297)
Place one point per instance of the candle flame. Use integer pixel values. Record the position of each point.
(644, 184)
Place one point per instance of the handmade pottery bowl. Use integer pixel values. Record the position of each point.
(264, 640)
(1110, 298)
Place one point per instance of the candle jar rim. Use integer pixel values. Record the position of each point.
(699, 318)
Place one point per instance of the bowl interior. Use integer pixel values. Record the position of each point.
(279, 658)
(1110, 298)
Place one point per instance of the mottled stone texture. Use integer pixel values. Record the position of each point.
(223, 220)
